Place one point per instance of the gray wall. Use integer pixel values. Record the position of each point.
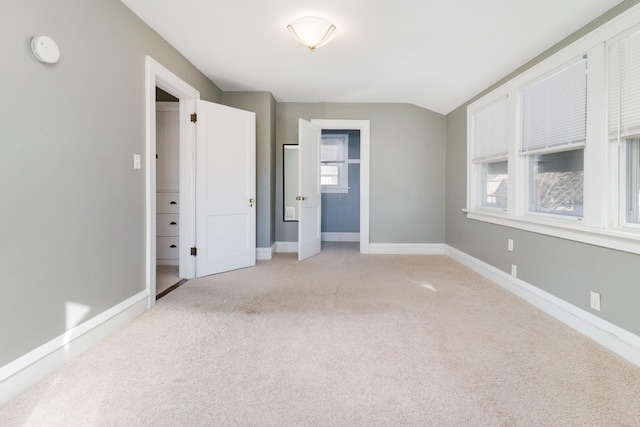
(566, 269)
(406, 170)
(341, 211)
(263, 104)
(73, 217)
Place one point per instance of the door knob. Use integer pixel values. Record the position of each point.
(251, 202)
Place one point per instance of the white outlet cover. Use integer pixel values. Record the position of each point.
(595, 300)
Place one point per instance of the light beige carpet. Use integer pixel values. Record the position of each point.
(341, 339)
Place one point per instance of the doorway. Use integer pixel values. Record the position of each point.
(308, 177)
(340, 180)
(224, 215)
(167, 161)
(160, 77)
(362, 128)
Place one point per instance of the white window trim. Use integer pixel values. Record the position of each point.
(601, 223)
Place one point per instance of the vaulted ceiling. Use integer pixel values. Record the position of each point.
(433, 53)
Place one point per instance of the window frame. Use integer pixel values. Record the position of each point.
(343, 166)
(620, 137)
(624, 175)
(477, 166)
(601, 223)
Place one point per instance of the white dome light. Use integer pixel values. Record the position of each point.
(311, 31)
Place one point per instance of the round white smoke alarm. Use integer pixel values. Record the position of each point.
(45, 49)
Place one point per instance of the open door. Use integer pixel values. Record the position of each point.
(309, 199)
(225, 188)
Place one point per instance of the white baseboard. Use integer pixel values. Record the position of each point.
(17, 376)
(381, 248)
(287, 247)
(610, 336)
(340, 237)
(407, 248)
(265, 253)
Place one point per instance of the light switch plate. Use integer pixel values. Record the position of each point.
(595, 300)
(136, 161)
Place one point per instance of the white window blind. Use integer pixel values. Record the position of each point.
(491, 138)
(554, 110)
(333, 148)
(624, 86)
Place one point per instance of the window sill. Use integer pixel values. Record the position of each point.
(622, 240)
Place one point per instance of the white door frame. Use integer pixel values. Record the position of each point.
(157, 75)
(364, 127)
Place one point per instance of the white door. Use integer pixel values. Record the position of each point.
(309, 199)
(225, 188)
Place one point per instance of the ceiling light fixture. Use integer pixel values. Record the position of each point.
(311, 31)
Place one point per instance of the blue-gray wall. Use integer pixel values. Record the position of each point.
(73, 220)
(566, 269)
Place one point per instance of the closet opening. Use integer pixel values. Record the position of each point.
(167, 161)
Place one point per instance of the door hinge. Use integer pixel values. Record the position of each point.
(194, 251)
(194, 117)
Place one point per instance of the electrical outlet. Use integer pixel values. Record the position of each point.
(136, 161)
(595, 300)
(514, 270)
(510, 245)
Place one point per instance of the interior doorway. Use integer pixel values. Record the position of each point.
(159, 77)
(167, 160)
(215, 201)
(340, 180)
(298, 196)
(362, 129)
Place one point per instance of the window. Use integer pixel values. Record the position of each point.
(490, 136)
(494, 184)
(624, 120)
(334, 173)
(556, 149)
(553, 125)
(557, 183)
(632, 187)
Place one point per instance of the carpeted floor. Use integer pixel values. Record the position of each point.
(341, 339)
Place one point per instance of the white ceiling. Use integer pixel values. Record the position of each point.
(433, 53)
